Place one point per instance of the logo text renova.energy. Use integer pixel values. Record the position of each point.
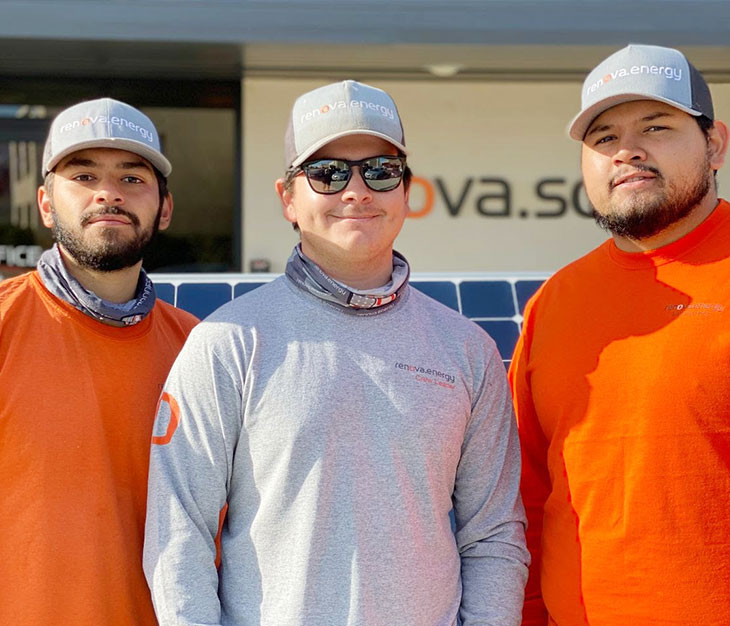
(103, 119)
(667, 71)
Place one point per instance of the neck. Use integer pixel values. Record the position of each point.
(360, 275)
(672, 233)
(118, 286)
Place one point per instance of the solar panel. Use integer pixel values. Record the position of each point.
(442, 290)
(486, 298)
(201, 299)
(494, 301)
(166, 292)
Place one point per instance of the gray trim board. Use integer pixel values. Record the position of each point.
(511, 22)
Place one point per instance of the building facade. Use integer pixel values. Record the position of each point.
(485, 89)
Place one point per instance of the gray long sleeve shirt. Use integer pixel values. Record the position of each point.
(339, 444)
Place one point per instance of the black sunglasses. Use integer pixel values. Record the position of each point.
(380, 173)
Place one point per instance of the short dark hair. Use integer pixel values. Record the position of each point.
(705, 124)
(161, 185)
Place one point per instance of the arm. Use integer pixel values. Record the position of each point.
(196, 430)
(487, 509)
(535, 478)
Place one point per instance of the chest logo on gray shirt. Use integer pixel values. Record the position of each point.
(428, 375)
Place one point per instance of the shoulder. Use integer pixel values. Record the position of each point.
(447, 328)
(15, 284)
(577, 276)
(257, 303)
(457, 342)
(438, 313)
(566, 291)
(584, 264)
(13, 292)
(231, 323)
(175, 318)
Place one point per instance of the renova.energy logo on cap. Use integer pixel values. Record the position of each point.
(668, 72)
(347, 104)
(115, 120)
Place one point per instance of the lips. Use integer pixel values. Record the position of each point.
(109, 219)
(111, 215)
(635, 176)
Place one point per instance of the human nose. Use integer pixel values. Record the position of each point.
(629, 150)
(357, 191)
(109, 192)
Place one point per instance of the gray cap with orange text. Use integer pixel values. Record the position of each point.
(338, 110)
(103, 123)
(641, 72)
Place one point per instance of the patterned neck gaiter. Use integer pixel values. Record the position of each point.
(60, 283)
(307, 275)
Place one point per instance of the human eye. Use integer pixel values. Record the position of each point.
(604, 139)
(135, 180)
(655, 128)
(82, 178)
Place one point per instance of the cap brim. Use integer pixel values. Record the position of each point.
(136, 147)
(346, 133)
(579, 125)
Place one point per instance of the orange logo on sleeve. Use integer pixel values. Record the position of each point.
(217, 541)
(172, 423)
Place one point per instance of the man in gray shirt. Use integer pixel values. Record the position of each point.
(314, 434)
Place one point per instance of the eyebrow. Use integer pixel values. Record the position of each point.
(124, 165)
(647, 118)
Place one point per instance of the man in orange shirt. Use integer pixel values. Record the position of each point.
(84, 350)
(620, 377)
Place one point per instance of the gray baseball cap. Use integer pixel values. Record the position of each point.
(103, 123)
(338, 110)
(640, 72)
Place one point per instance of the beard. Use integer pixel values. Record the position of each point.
(644, 215)
(110, 252)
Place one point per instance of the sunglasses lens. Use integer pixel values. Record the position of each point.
(327, 175)
(382, 173)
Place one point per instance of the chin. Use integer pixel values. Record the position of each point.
(360, 243)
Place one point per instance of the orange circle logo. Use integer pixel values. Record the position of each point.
(325, 108)
(86, 121)
(429, 195)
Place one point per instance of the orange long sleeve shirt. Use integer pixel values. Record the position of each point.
(621, 381)
(77, 403)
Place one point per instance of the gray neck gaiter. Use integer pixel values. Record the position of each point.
(307, 275)
(61, 284)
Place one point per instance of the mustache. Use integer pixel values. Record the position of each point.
(637, 167)
(109, 210)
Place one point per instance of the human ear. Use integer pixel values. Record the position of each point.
(717, 143)
(44, 206)
(286, 197)
(166, 211)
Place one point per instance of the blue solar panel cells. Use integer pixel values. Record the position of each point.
(442, 290)
(201, 299)
(525, 289)
(242, 288)
(492, 298)
(166, 292)
(504, 333)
